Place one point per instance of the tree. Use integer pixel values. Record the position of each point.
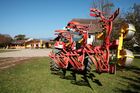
(116, 27)
(20, 37)
(133, 16)
(103, 5)
(5, 40)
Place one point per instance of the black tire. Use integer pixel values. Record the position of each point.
(53, 65)
(88, 64)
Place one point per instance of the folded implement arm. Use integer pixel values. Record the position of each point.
(77, 49)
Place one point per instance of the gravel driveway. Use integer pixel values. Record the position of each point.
(16, 56)
(27, 53)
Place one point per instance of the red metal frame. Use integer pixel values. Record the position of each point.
(99, 55)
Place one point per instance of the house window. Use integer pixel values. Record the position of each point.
(36, 45)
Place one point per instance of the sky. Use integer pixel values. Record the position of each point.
(40, 18)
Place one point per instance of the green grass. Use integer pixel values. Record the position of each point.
(34, 76)
(6, 50)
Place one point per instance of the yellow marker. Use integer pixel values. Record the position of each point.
(100, 35)
(80, 40)
(120, 43)
(67, 44)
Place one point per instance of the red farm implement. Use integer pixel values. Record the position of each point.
(75, 47)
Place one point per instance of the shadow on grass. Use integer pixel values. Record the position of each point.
(69, 77)
(87, 81)
(82, 83)
(134, 69)
(132, 81)
(56, 73)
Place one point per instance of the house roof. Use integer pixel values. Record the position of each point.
(85, 21)
(18, 42)
(95, 26)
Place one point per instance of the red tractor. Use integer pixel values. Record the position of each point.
(75, 48)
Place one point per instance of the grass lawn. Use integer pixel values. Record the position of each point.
(35, 76)
(6, 50)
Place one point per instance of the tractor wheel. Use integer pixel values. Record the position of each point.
(53, 65)
(88, 65)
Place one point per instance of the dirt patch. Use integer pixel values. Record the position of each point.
(10, 61)
(11, 58)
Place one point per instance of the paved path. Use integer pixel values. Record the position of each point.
(27, 53)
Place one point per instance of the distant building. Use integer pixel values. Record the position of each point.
(18, 44)
(30, 43)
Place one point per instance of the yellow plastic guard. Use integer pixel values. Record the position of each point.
(67, 44)
(80, 40)
(100, 35)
